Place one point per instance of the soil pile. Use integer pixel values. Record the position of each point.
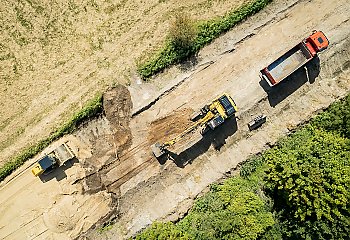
(109, 138)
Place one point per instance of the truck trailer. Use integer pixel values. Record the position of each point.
(295, 58)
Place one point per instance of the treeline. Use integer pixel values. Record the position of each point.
(300, 189)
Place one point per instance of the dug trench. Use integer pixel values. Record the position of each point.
(105, 144)
(101, 142)
(109, 137)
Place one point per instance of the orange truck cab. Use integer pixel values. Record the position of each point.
(295, 58)
(318, 40)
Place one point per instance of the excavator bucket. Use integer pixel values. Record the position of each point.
(157, 150)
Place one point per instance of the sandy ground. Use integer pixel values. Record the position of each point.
(55, 55)
(50, 207)
(119, 179)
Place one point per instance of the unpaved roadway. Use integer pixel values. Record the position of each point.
(120, 174)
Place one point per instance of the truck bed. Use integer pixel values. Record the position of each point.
(63, 153)
(289, 62)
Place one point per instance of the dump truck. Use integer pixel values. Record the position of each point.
(208, 118)
(295, 58)
(52, 160)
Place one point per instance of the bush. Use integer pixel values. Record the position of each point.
(311, 174)
(182, 32)
(185, 39)
(336, 118)
(251, 166)
(163, 231)
(232, 210)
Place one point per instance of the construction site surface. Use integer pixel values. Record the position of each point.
(114, 176)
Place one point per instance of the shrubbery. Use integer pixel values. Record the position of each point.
(182, 32)
(187, 38)
(336, 118)
(232, 210)
(163, 231)
(310, 172)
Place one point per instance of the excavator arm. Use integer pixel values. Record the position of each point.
(197, 124)
(159, 149)
(211, 116)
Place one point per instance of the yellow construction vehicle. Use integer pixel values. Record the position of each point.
(209, 117)
(52, 160)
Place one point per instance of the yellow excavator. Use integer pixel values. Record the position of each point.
(208, 118)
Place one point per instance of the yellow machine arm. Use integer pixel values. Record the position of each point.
(215, 114)
(197, 124)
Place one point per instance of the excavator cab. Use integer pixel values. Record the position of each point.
(228, 104)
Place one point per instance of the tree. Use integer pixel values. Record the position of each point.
(311, 175)
(232, 210)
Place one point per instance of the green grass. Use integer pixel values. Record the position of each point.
(91, 109)
(105, 228)
(206, 32)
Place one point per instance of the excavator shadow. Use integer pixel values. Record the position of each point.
(58, 172)
(216, 138)
(281, 91)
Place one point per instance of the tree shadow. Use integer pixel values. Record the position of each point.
(281, 91)
(58, 172)
(216, 137)
(189, 63)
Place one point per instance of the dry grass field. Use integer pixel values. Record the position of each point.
(55, 55)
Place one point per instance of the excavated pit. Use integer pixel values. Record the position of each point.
(117, 105)
(108, 138)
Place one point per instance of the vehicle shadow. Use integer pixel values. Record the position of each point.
(59, 172)
(281, 91)
(217, 138)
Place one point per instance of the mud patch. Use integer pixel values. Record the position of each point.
(93, 183)
(166, 128)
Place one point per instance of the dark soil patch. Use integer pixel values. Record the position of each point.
(166, 128)
(117, 105)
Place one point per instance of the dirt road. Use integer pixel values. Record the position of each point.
(123, 175)
(51, 207)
